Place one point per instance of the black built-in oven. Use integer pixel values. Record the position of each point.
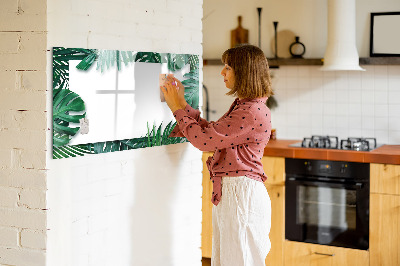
(327, 202)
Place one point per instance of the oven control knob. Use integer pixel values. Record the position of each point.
(343, 168)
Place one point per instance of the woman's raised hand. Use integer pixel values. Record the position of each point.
(173, 95)
(181, 91)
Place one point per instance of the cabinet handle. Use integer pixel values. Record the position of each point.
(325, 254)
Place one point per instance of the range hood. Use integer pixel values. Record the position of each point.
(341, 51)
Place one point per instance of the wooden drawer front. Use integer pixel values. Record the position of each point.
(385, 178)
(274, 168)
(305, 254)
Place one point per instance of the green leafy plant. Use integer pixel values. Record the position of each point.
(65, 104)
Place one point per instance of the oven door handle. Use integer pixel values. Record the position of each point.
(357, 185)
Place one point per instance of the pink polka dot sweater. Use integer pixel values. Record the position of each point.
(238, 139)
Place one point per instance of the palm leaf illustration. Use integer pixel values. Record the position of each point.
(150, 57)
(109, 58)
(61, 58)
(67, 151)
(191, 85)
(65, 103)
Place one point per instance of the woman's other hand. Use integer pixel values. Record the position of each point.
(173, 95)
(181, 91)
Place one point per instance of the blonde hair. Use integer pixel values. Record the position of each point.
(250, 66)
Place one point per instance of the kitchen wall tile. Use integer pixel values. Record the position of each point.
(381, 97)
(291, 71)
(317, 107)
(393, 71)
(355, 96)
(394, 83)
(394, 110)
(381, 110)
(367, 122)
(317, 120)
(315, 72)
(380, 71)
(304, 109)
(355, 132)
(354, 122)
(367, 133)
(292, 83)
(317, 95)
(342, 122)
(381, 136)
(329, 93)
(367, 82)
(304, 72)
(329, 109)
(366, 99)
(342, 80)
(381, 122)
(354, 80)
(342, 96)
(380, 84)
(342, 109)
(328, 74)
(317, 131)
(329, 122)
(394, 137)
(278, 71)
(394, 123)
(367, 110)
(394, 97)
(316, 82)
(304, 82)
(367, 96)
(355, 109)
(342, 133)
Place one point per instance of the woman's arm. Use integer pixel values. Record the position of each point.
(235, 129)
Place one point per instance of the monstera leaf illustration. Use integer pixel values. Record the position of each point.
(191, 85)
(65, 104)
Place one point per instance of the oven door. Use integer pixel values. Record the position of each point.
(327, 213)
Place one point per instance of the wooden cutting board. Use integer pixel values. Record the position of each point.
(239, 35)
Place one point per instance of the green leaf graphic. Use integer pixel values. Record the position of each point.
(65, 103)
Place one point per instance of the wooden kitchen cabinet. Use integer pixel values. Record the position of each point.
(384, 236)
(306, 254)
(385, 178)
(277, 233)
(206, 225)
(274, 168)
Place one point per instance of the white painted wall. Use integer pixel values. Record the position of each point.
(311, 102)
(305, 18)
(138, 207)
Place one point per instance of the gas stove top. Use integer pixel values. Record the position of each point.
(332, 142)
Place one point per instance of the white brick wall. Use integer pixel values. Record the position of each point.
(23, 125)
(138, 207)
(91, 215)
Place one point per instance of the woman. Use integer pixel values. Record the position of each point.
(241, 213)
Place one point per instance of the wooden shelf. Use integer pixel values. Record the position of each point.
(274, 63)
(380, 61)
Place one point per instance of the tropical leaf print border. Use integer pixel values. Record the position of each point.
(63, 114)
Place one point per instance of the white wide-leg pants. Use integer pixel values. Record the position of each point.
(241, 223)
